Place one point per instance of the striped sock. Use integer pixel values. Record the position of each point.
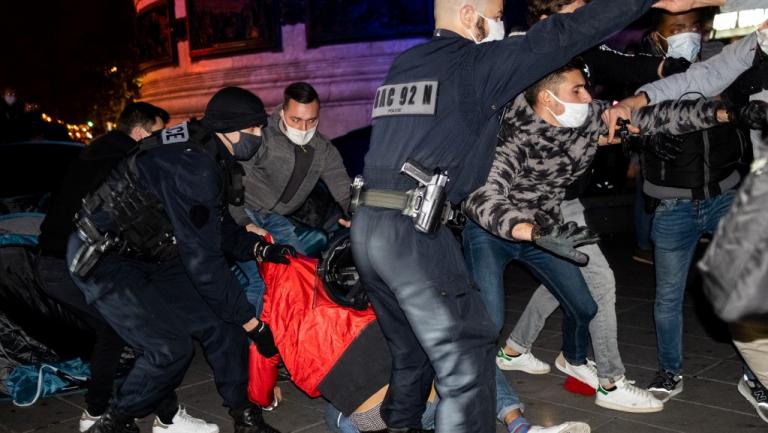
(519, 425)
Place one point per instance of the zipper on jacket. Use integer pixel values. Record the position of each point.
(706, 164)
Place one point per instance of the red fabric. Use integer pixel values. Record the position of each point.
(578, 387)
(311, 331)
(262, 376)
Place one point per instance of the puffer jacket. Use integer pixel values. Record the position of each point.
(311, 331)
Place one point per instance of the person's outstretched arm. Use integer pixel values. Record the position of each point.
(501, 70)
(708, 78)
(677, 118)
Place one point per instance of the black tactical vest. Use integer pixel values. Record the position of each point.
(136, 216)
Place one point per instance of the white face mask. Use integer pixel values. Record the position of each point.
(762, 40)
(495, 30)
(9, 99)
(685, 45)
(297, 136)
(574, 116)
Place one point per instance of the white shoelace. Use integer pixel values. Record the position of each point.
(183, 415)
(629, 385)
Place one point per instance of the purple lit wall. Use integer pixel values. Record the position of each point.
(345, 75)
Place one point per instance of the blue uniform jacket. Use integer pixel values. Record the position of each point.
(185, 177)
(441, 100)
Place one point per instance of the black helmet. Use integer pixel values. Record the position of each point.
(339, 274)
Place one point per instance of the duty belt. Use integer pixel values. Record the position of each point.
(426, 204)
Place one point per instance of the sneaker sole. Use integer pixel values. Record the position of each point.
(575, 427)
(156, 429)
(747, 394)
(668, 394)
(500, 364)
(630, 409)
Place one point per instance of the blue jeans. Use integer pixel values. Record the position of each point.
(677, 226)
(642, 218)
(487, 257)
(283, 232)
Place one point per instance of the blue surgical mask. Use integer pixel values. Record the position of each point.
(684, 45)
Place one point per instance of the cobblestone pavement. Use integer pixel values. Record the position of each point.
(710, 402)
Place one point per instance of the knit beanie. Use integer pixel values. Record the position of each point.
(234, 108)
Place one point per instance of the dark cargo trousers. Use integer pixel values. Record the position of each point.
(434, 321)
(156, 309)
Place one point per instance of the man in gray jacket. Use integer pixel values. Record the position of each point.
(283, 172)
(293, 158)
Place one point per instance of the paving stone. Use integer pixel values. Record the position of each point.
(727, 371)
(709, 404)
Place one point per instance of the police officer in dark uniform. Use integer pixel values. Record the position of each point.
(149, 253)
(439, 109)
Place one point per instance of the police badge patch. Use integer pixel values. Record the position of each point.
(175, 134)
(406, 99)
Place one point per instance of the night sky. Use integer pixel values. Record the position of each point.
(55, 51)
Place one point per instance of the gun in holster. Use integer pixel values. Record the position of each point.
(427, 204)
(95, 244)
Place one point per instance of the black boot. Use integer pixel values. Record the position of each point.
(113, 422)
(249, 420)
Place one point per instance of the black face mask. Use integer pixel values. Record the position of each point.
(246, 146)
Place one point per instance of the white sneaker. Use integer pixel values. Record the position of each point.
(184, 423)
(525, 362)
(586, 373)
(566, 427)
(626, 397)
(87, 420)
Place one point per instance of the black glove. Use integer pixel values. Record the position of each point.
(665, 147)
(263, 339)
(754, 115)
(273, 253)
(562, 240)
(674, 65)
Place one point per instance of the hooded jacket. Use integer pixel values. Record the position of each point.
(536, 161)
(268, 173)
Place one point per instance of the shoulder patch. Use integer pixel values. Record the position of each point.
(175, 134)
(406, 99)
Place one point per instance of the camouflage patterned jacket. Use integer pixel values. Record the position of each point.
(536, 161)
